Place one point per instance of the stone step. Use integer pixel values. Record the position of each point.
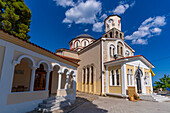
(53, 100)
(154, 97)
(52, 104)
(54, 107)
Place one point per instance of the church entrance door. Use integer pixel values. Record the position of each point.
(138, 81)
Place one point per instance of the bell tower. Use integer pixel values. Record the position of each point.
(113, 21)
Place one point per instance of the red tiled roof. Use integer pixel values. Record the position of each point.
(39, 47)
(129, 57)
(69, 57)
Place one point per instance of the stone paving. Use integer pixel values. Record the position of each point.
(118, 105)
(88, 103)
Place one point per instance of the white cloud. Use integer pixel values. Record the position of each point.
(97, 27)
(149, 28)
(86, 30)
(103, 17)
(140, 41)
(69, 25)
(83, 12)
(132, 4)
(64, 3)
(122, 7)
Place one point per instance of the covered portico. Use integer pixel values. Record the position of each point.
(128, 74)
(25, 75)
(29, 77)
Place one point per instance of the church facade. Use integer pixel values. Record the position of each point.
(108, 66)
(30, 74)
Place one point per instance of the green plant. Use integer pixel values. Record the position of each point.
(15, 18)
(163, 82)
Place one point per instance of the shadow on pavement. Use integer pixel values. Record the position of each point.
(81, 105)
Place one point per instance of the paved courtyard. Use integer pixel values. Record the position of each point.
(118, 105)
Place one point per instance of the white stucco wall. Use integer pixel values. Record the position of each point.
(13, 52)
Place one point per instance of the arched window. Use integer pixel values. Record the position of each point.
(77, 44)
(116, 34)
(40, 78)
(111, 50)
(128, 77)
(121, 50)
(121, 35)
(112, 78)
(118, 50)
(87, 75)
(92, 74)
(84, 43)
(131, 76)
(84, 76)
(147, 81)
(106, 36)
(117, 77)
(22, 76)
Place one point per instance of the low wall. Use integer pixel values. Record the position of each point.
(65, 92)
(21, 97)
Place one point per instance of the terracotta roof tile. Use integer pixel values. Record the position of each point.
(39, 47)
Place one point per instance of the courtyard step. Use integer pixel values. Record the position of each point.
(52, 103)
(155, 98)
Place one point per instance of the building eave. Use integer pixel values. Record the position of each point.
(21, 42)
(127, 59)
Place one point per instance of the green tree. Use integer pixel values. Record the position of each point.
(163, 82)
(15, 17)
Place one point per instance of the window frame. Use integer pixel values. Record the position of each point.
(147, 80)
(113, 74)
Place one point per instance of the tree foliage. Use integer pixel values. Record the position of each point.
(163, 82)
(15, 17)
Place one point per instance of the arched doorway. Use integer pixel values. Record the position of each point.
(40, 78)
(22, 75)
(138, 76)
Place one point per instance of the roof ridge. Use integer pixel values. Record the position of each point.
(37, 46)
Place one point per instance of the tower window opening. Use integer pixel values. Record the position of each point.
(116, 34)
(84, 43)
(121, 35)
(111, 35)
(121, 50)
(118, 49)
(77, 44)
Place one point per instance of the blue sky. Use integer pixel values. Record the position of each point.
(146, 24)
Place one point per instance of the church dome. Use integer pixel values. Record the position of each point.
(81, 41)
(85, 36)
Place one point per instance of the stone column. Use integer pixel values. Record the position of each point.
(143, 82)
(32, 79)
(7, 69)
(59, 80)
(47, 80)
(74, 82)
(107, 80)
(150, 81)
(124, 79)
(67, 80)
